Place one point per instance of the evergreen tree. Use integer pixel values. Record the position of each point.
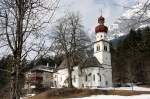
(5, 65)
(130, 57)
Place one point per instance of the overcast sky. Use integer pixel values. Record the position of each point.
(90, 10)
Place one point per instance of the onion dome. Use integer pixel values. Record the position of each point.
(101, 19)
(101, 27)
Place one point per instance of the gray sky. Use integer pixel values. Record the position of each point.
(90, 10)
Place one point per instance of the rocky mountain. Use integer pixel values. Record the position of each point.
(137, 16)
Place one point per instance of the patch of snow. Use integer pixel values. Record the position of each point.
(132, 12)
(144, 25)
(27, 96)
(135, 17)
(115, 97)
(135, 88)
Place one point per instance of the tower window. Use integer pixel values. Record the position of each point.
(105, 48)
(98, 48)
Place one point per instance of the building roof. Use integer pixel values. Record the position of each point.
(63, 65)
(90, 62)
(42, 68)
(101, 27)
(84, 63)
(72, 62)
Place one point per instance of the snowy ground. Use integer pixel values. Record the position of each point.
(115, 97)
(135, 88)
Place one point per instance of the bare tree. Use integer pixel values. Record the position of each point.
(69, 39)
(21, 22)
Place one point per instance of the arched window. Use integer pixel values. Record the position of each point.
(100, 77)
(86, 78)
(106, 82)
(98, 47)
(74, 78)
(105, 48)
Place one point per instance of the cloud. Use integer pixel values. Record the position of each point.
(90, 10)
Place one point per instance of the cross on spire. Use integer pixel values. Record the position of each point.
(101, 12)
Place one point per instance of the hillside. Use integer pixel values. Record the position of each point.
(130, 57)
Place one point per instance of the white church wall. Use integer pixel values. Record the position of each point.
(75, 77)
(108, 76)
(106, 59)
(95, 77)
(61, 76)
(100, 36)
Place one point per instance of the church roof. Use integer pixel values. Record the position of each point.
(88, 62)
(72, 62)
(91, 62)
(63, 65)
(101, 27)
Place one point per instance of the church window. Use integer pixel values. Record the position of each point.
(105, 48)
(52, 84)
(98, 47)
(74, 78)
(106, 82)
(82, 85)
(55, 83)
(93, 77)
(86, 78)
(89, 74)
(100, 77)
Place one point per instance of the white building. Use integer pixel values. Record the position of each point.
(93, 72)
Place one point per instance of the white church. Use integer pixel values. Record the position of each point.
(96, 71)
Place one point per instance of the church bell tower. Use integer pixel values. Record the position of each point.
(102, 50)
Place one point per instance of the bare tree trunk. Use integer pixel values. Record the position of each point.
(15, 80)
(12, 91)
(70, 85)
